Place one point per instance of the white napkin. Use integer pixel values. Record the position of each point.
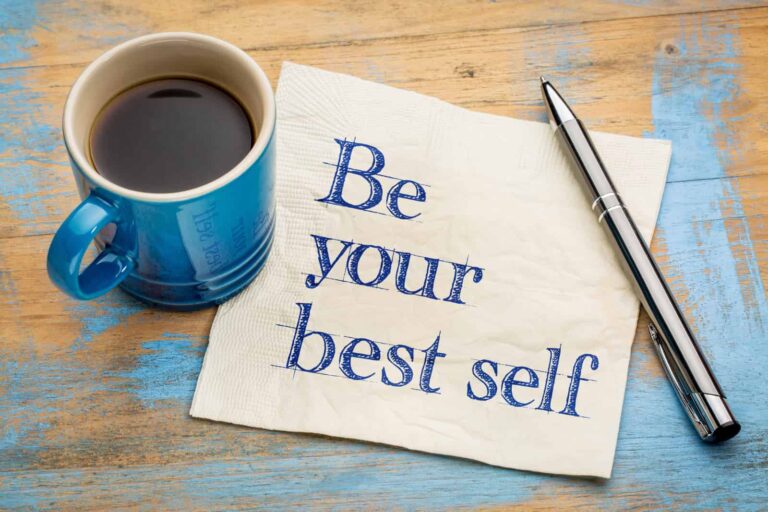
(505, 276)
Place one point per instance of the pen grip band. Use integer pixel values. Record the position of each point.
(606, 203)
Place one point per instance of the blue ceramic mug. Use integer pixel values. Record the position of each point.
(181, 250)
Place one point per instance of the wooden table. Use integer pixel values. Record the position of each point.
(94, 395)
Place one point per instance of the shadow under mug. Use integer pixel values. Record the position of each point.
(181, 250)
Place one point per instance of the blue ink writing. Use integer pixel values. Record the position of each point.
(361, 359)
(353, 263)
(348, 352)
(428, 288)
(371, 265)
(396, 193)
(414, 191)
(360, 350)
(383, 268)
(459, 273)
(342, 171)
(485, 379)
(510, 380)
(573, 390)
(525, 377)
(549, 383)
(401, 364)
(326, 265)
(429, 365)
(300, 334)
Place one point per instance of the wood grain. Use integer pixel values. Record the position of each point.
(489, 70)
(94, 396)
(64, 32)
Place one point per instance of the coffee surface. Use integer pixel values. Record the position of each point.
(170, 135)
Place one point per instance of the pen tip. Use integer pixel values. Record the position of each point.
(543, 80)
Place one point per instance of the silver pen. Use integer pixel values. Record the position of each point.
(680, 355)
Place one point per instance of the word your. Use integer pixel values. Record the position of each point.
(399, 356)
(399, 368)
(383, 266)
(404, 189)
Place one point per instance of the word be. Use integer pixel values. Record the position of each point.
(404, 189)
(384, 268)
(529, 379)
(398, 356)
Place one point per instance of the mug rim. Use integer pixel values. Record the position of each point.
(258, 148)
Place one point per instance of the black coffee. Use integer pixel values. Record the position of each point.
(170, 135)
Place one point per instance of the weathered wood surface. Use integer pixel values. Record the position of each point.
(94, 396)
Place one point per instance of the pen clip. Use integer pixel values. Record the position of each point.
(670, 368)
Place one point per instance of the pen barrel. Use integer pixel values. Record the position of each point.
(681, 355)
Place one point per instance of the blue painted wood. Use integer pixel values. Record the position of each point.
(102, 419)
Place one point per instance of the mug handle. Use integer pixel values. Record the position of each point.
(71, 242)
